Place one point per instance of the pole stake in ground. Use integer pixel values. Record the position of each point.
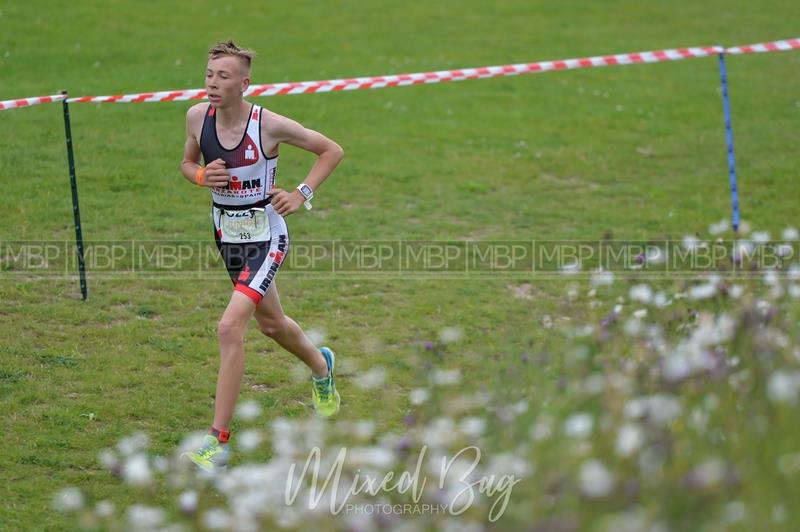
(726, 109)
(76, 212)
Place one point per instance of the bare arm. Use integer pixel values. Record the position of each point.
(213, 175)
(329, 154)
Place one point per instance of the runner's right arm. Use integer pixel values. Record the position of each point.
(213, 175)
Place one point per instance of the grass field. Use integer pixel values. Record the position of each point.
(625, 153)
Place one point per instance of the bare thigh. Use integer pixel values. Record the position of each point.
(269, 312)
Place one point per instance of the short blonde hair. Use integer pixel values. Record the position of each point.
(223, 48)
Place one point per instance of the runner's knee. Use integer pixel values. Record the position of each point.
(273, 327)
(229, 330)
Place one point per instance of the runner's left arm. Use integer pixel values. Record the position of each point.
(328, 152)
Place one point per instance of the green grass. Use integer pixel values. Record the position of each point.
(635, 152)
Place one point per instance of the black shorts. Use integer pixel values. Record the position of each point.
(253, 265)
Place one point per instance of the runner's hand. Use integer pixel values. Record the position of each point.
(216, 174)
(285, 203)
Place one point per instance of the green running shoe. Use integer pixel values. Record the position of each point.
(211, 457)
(326, 398)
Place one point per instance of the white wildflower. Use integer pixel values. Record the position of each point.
(659, 409)
(744, 228)
(719, 227)
(736, 291)
(783, 386)
(472, 426)
(417, 396)
(789, 464)
(133, 444)
(217, 519)
(639, 314)
(439, 432)
(446, 377)
(509, 464)
(691, 243)
(571, 268)
(104, 509)
(520, 407)
(785, 251)
(702, 291)
(790, 233)
(448, 335)
(594, 383)
(710, 473)
(68, 500)
(579, 425)
(108, 459)
(372, 378)
(660, 299)
(374, 456)
(642, 293)
(779, 513)
(630, 438)
(187, 501)
(654, 255)
(632, 327)
(761, 237)
(249, 440)
(595, 479)
(364, 429)
(248, 410)
(141, 517)
(602, 278)
(317, 336)
(136, 470)
(543, 428)
(734, 512)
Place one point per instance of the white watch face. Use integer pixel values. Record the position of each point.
(306, 191)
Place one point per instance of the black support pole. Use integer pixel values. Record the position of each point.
(76, 212)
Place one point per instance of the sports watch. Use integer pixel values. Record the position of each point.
(307, 193)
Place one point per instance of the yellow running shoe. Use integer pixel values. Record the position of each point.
(211, 457)
(326, 397)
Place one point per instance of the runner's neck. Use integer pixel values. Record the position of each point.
(231, 117)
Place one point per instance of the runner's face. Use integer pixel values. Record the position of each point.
(225, 81)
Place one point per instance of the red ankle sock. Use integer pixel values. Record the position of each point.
(221, 435)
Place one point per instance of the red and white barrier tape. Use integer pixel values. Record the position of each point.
(774, 46)
(377, 82)
(26, 102)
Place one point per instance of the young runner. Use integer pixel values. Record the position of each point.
(239, 143)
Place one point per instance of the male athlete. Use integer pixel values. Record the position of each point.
(239, 143)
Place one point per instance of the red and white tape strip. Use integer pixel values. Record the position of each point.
(377, 82)
(26, 102)
(774, 46)
(162, 96)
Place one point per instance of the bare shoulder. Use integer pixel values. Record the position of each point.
(195, 116)
(276, 125)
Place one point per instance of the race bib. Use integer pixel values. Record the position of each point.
(239, 227)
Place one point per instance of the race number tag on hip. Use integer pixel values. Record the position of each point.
(244, 226)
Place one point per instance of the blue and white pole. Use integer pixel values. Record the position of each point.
(726, 108)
